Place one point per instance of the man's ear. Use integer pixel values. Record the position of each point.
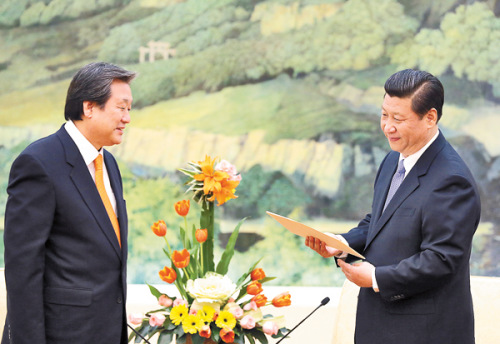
(431, 117)
(88, 108)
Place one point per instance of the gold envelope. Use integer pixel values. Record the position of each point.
(304, 231)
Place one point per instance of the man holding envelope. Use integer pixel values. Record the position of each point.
(415, 282)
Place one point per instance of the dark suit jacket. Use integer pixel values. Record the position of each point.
(64, 269)
(420, 247)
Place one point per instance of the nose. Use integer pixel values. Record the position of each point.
(126, 117)
(388, 126)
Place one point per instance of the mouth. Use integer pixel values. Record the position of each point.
(393, 139)
(120, 129)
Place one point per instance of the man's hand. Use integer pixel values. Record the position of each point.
(320, 247)
(358, 273)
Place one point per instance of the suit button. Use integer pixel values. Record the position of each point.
(119, 299)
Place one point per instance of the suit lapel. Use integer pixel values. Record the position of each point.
(409, 185)
(87, 189)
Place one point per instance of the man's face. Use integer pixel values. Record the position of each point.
(404, 129)
(108, 123)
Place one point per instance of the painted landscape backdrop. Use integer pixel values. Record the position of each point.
(287, 90)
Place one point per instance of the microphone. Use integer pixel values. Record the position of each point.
(323, 302)
(140, 335)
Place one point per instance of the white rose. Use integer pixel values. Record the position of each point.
(212, 288)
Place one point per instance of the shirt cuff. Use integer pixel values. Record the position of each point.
(374, 282)
(341, 255)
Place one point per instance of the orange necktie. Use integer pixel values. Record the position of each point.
(99, 182)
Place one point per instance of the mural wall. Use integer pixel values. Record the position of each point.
(289, 91)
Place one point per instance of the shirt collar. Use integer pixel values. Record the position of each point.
(411, 160)
(87, 150)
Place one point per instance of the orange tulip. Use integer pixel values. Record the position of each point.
(257, 274)
(205, 331)
(159, 228)
(260, 300)
(227, 335)
(182, 207)
(254, 288)
(168, 275)
(180, 258)
(282, 300)
(201, 235)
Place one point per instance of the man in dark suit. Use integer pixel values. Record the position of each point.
(66, 222)
(415, 282)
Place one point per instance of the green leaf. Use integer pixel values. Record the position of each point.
(260, 336)
(196, 339)
(250, 338)
(155, 291)
(223, 265)
(147, 329)
(239, 340)
(165, 337)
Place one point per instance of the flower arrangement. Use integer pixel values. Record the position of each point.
(211, 307)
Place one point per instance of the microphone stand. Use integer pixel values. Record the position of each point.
(140, 335)
(323, 302)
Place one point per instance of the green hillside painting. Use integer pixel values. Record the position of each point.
(287, 90)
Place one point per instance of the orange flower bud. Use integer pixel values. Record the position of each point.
(257, 274)
(227, 335)
(201, 235)
(180, 258)
(260, 300)
(159, 228)
(168, 275)
(282, 300)
(254, 288)
(182, 207)
(205, 331)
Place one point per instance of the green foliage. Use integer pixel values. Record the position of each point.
(211, 52)
(260, 190)
(172, 24)
(466, 42)
(11, 11)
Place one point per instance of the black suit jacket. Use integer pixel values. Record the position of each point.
(64, 269)
(420, 246)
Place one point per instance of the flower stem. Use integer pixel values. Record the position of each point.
(168, 245)
(186, 238)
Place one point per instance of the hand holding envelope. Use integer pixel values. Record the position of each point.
(305, 231)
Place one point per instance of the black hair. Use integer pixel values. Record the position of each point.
(93, 83)
(424, 89)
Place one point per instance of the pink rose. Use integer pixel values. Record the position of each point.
(236, 310)
(156, 319)
(165, 301)
(229, 168)
(252, 306)
(270, 328)
(248, 322)
(193, 311)
(178, 302)
(135, 319)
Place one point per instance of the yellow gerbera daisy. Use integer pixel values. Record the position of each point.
(208, 314)
(226, 320)
(192, 323)
(178, 314)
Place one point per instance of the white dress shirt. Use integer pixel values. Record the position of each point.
(89, 153)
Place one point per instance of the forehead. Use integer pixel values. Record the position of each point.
(397, 106)
(120, 91)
